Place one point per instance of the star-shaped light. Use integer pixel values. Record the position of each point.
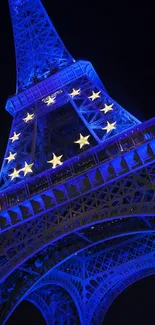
(107, 108)
(49, 100)
(15, 137)
(27, 168)
(15, 174)
(94, 95)
(11, 156)
(55, 161)
(75, 92)
(83, 140)
(28, 118)
(110, 126)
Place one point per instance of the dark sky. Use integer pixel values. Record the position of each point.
(118, 37)
(134, 306)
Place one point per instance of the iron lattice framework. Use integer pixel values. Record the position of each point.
(71, 237)
(39, 50)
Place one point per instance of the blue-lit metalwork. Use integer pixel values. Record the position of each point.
(39, 50)
(72, 237)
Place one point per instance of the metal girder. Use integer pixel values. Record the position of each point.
(54, 188)
(99, 314)
(119, 261)
(55, 304)
(132, 195)
(71, 75)
(137, 266)
(39, 302)
(103, 269)
(39, 50)
(59, 296)
(88, 117)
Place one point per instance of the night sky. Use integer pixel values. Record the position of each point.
(118, 37)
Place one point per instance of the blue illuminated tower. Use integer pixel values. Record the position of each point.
(77, 184)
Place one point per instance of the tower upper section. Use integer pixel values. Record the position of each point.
(61, 109)
(39, 50)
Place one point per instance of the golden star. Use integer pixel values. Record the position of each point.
(28, 118)
(15, 137)
(55, 161)
(11, 156)
(107, 108)
(15, 174)
(109, 127)
(27, 168)
(49, 100)
(83, 140)
(94, 95)
(75, 92)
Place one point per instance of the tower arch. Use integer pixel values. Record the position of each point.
(56, 304)
(40, 303)
(54, 284)
(116, 289)
(29, 312)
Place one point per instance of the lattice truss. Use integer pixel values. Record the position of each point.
(97, 269)
(89, 268)
(130, 196)
(72, 116)
(39, 50)
(55, 187)
(88, 275)
(55, 304)
(99, 315)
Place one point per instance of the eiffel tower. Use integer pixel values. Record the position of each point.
(77, 184)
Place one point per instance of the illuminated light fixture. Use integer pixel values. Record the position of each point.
(11, 156)
(15, 137)
(49, 100)
(28, 118)
(15, 174)
(55, 161)
(107, 108)
(94, 95)
(27, 168)
(75, 92)
(83, 140)
(110, 127)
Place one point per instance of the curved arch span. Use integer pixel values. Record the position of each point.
(122, 285)
(41, 305)
(55, 279)
(99, 314)
(135, 222)
(48, 268)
